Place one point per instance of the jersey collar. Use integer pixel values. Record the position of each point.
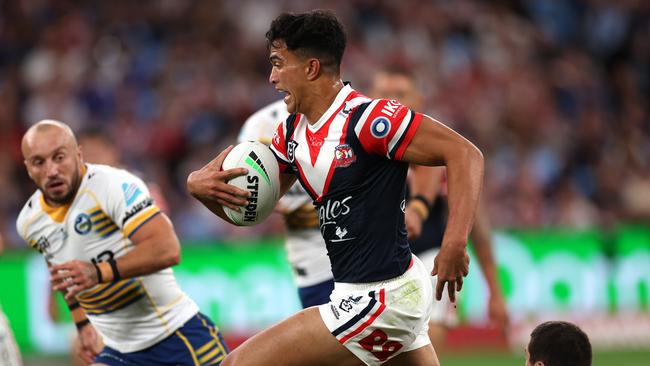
(340, 98)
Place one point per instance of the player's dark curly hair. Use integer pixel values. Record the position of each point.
(559, 343)
(317, 33)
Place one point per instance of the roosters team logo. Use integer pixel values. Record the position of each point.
(344, 156)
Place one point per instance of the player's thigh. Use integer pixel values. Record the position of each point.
(302, 339)
(437, 335)
(418, 357)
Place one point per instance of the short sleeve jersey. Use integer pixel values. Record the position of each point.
(109, 207)
(349, 163)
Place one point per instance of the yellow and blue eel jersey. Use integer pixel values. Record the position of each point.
(110, 206)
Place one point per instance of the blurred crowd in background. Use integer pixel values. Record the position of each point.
(554, 92)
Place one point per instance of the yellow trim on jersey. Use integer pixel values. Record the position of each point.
(189, 347)
(109, 296)
(204, 348)
(155, 308)
(132, 298)
(116, 296)
(213, 331)
(205, 358)
(106, 229)
(88, 295)
(102, 223)
(135, 222)
(55, 213)
(217, 360)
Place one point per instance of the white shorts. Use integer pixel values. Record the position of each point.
(9, 354)
(377, 321)
(443, 312)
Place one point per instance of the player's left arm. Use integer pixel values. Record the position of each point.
(156, 247)
(435, 144)
(482, 243)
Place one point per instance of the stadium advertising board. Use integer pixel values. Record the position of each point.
(244, 288)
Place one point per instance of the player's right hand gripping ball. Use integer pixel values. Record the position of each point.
(262, 181)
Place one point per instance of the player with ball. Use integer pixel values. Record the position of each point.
(351, 154)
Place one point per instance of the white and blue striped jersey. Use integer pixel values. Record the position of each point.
(110, 205)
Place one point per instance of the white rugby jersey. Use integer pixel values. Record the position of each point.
(111, 204)
(349, 161)
(306, 249)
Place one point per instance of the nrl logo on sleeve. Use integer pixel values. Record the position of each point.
(344, 156)
(131, 192)
(291, 150)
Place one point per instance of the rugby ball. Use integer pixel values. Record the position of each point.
(262, 181)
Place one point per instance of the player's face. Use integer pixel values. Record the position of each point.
(398, 87)
(287, 74)
(54, 162)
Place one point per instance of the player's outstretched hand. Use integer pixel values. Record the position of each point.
(210, 182)
(89, 344)
(73, 276)
(451, 265)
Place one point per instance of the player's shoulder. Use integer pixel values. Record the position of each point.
(379, 109)
(99, 175)
(107, 182)
(261, 125)
(270, 114)
(385, 105)
(31, 208)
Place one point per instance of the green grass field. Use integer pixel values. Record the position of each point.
(610, 358)
(619, 358)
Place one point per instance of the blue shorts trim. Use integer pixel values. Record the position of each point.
(317, 294)
(197, 343)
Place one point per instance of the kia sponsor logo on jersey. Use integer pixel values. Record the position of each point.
(344, 156)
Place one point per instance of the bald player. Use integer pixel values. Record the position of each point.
(110, 249)
(426, 216)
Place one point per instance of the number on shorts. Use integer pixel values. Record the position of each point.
(379, 338)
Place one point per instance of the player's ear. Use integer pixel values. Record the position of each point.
(29, 173)
(313, 69)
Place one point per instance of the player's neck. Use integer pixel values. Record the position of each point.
(322, 98)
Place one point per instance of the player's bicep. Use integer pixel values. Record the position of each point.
(434, 143)
(159, 228)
